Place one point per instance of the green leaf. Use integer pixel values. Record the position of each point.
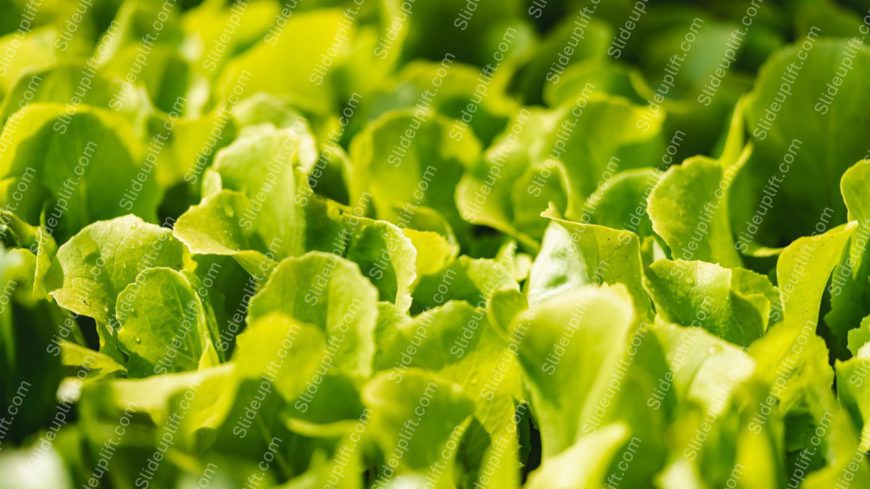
(704, 369)
(97, 365)
(163, 325)
(574, 468)
(551, 59)
(621, 201)
(734, 304)
(257, 164)
(689, 209)
(434, 251)
(329, 292)
(434, 339)
(416, 420)
(850, 282)
(289, 350)
(58, 84)
(85, 159)
(263, 109)
(803, 270)
(456, 341)
(29, 355)
(485, 114)
(407, 161)
(149, 396)
(214, 227)
(107, 256)
(38, 241)
(169, 80)
(853, 393)
(574, 254)
(208, 22)
(595, 138)
(585, 326)
(306, 39)
(605, 76)
(492, 193)
(804, 138)
(385, 255)
(26, 50)
(468, 279)
(859, 337)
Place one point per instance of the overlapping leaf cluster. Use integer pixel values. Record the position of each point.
(434, 244)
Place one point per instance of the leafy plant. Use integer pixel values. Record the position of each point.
(382, 243)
